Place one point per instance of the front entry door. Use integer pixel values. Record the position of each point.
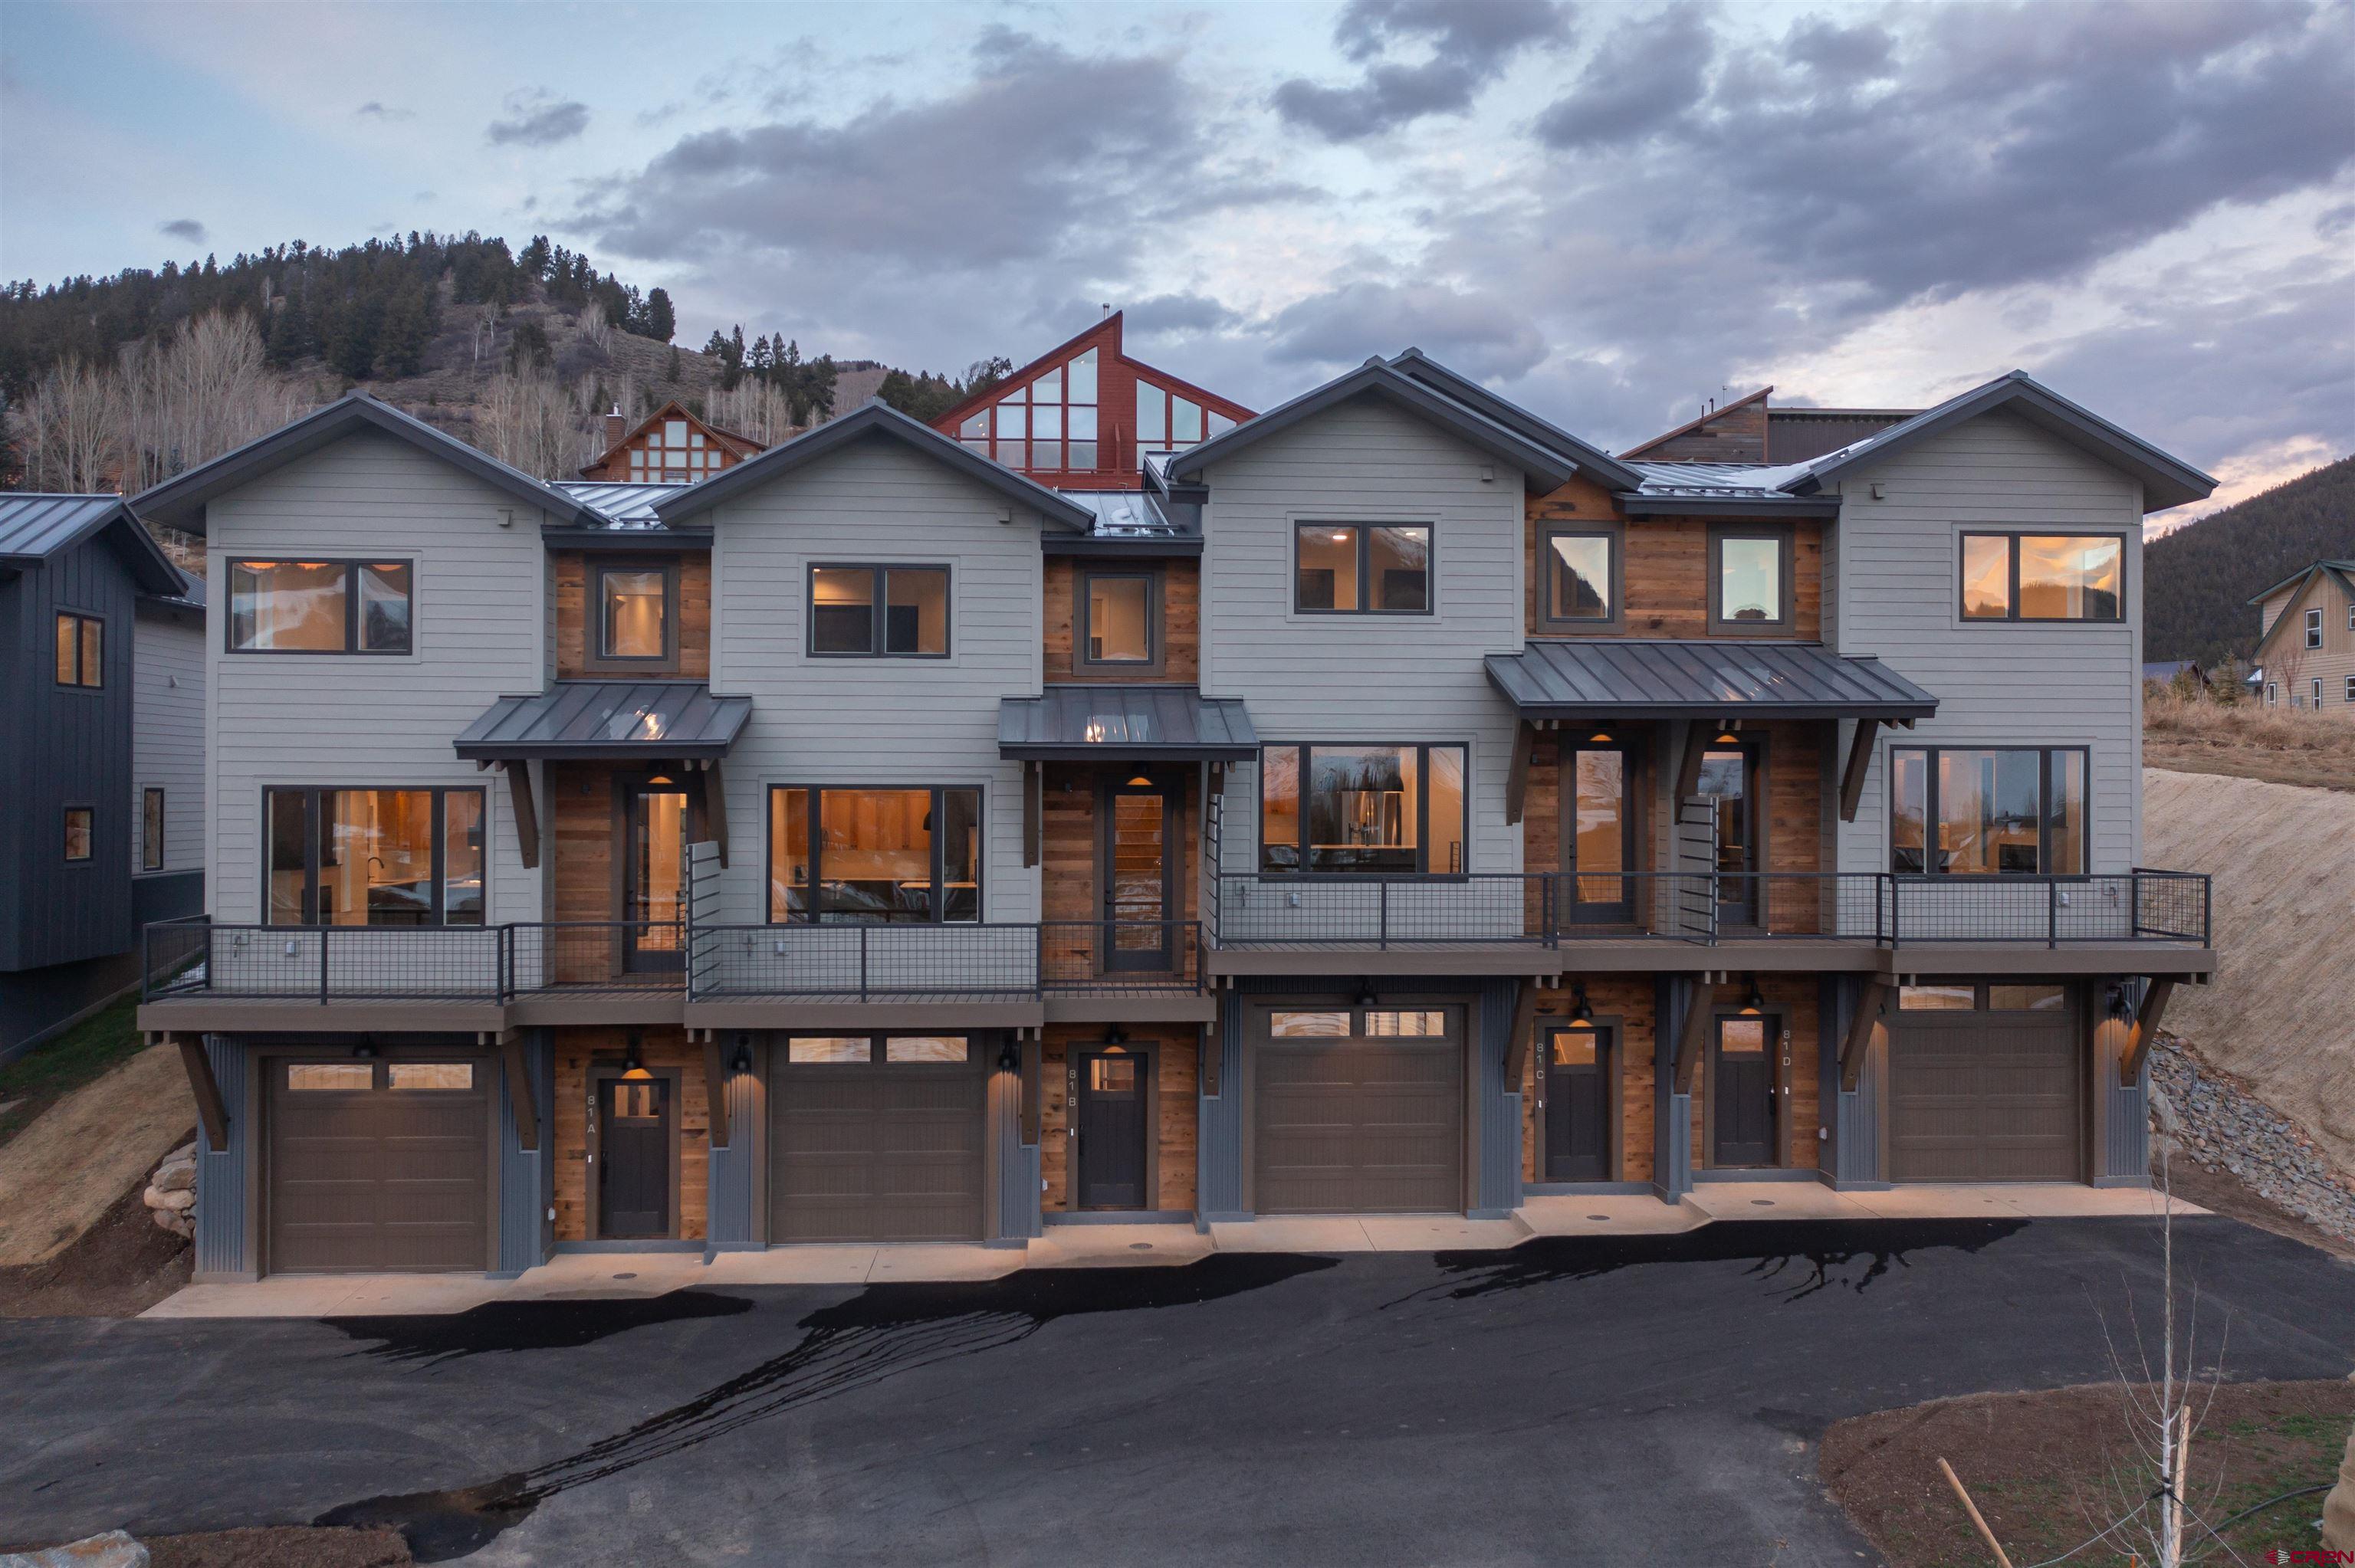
(1578, 1105)
(653, 877)
(1134, 869)
(1731, 776)
(1742, 1086)
(633, 1157)
(1109, 1125)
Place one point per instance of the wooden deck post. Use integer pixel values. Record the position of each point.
(1695, 1033)
(210, 1110)
(1859, 758)
(526, 811)
(1517, 777)
(2146, 1025)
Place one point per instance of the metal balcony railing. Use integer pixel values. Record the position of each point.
(410, 963)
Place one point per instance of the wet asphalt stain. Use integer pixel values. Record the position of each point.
(528, 1325)
(883, 1331)
(1794, 1258)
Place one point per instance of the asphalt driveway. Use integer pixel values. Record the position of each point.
(1595, 1400)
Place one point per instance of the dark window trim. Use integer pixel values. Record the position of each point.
(1786, 538)
(441, 873)
(1615, 533)
(1156, 643)
(1422, 811)
(351, 648)
(151, 795)
(2045, 754)
(1365, 528)
(80, 617)
(880, 606)
(817, 863)
(593, 657)
(2011, 615)
(2314, 627)
(65, 817)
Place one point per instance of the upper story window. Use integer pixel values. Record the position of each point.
(320, 606)
(1048, 423)
(1987, 811)
(874, 856)
(1582, 574)
(2350, 695)
(2044, 577)
(637, 605)
(1121, 619)
(899, 613)
(374, 857)
(1167, 420)
(1383, 569)
(151, 829)
(1749, 579)
(2314, 629)
(675, 453)
(1351, 809)
(81, 649)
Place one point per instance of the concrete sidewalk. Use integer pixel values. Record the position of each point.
(604, 1275)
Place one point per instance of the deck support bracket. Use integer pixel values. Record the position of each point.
(210, 1109)
(715, 1088)
(1695, 1033)
(1859, 758)
(515, 1063)
(1516, 1043)
(1517, 778)
(1697, 736)
(1859, 1031)
(2146, 1025)
(526, 811)
(715, 807)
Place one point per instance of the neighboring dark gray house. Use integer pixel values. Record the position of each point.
(102, 755)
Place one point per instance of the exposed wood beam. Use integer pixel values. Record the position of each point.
(1859, 758)
(1696, 734)
(1032, 811)
(1860, 1031)
(1517, 781)
(515, 1061)
(715, 1087)
(715, 807)
(1517, 1044)
(1695, 1033)
(210, 1110)
(2146, 1025)
(526, 811)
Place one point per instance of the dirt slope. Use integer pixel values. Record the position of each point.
(61, 1175)
(2282, 1011)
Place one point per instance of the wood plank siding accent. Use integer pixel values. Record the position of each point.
(1176, 1084)
(1628, 998)
(1794, 996)
(580, 804)
(1181, 621)
(1666, 571)
(1734, 433)
(576, 1051)
(571, 572)
(1070, 889)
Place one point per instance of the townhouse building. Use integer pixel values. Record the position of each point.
(1388, 803)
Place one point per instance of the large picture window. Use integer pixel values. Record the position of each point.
(1376, 568)
(374, 857)
(1987, 811)
(1362, 808)
(874, 856)
(320, 606)
(2044, 577)
(870, 610)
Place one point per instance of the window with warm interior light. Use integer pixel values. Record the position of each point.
(1379, 569)
(1580, 572)
(636, 615)
(1120, 614)
(320, 606)
(874, 856)
(81, 826)
(151, 829)
(1987, 811)
(81, 649)
(889, 611)
(1363, 808)
(2043, 577)
(374, 857)
(1750, 579)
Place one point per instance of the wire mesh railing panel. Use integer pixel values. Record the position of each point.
(860, 961)
(1487, 907)
(579, 956)
(171, 957)
(1120, 955)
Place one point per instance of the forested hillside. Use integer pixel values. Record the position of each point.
(120, 382)
(2198, 580)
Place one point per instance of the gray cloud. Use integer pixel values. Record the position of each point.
(1178, 315)
(535, 120)
(1469, 47)
(1476, 333)
(374, 110)
(187, 228)
(1647, 75)
(1865, 52)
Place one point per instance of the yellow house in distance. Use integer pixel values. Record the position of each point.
(2305, 652)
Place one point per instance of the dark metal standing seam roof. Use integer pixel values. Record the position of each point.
(593, 719)
(35, 526)
(1071, 724)
(1614, 677)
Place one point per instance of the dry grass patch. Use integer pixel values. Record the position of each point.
(2196, 733)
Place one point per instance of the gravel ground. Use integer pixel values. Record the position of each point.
(2219, 1124)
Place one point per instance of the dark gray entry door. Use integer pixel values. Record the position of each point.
(378, 1166)
(863, 1148)
(633, 1157)
(1578, 1106)
(1359, 1126)
(1985, 1097)
(1742, 1086)
(1111, 1128)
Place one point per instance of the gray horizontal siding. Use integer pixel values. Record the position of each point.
(1996, 684)
(351, 720)
(902, 723)
(168, 733)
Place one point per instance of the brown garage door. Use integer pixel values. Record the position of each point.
(1367, 1119)
(1985, 1096)
(378, 1166)
(876, 1139)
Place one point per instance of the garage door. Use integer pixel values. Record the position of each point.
(1986, 1094)
(1358, 1111)
(379, 1165)
(876, 1139)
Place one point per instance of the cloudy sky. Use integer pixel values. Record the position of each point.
(1611, 212)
